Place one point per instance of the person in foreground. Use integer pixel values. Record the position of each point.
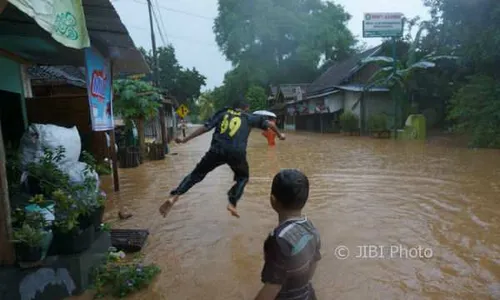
(293, 248)
(229, 144)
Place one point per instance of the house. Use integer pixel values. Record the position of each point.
(283, 94)
(338, 89)
(28, 39)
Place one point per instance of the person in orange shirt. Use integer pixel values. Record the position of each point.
(269, 134)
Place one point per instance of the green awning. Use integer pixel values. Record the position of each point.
(64, 20)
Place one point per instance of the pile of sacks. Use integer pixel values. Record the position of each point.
(41, 136)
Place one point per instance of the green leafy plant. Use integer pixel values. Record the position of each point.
(71, 200)
(34, 219)
(118, 278)
(14, 171)
(29, 227)
(46, 172)
(377, 122)
(136, 99)
(87, 158)
(101, 199)
(349, 122)
(399, 76)
(475, 110)
(105, 227)
(29, 235)
(256, 97)
(103, 169)
(67, 212)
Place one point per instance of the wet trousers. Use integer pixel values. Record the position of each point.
(213, 159)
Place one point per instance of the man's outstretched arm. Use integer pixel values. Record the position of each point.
(262, 123)
(196, 133)
(276, 130)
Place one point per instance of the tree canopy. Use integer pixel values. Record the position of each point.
(469, 30)
(182, 83)
(279, 41)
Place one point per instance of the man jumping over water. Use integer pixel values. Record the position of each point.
(229, 145)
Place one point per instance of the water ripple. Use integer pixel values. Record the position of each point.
(363, 192)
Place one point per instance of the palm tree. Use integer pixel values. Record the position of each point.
(396, 75)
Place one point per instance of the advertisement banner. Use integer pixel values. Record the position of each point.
(99, 90)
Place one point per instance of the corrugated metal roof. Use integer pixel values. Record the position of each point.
(41, 75)
(107, 33)
(337, 73)
(323, 94)
(360, 88)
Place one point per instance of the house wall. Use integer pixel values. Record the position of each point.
(350, 100)
(10, 76)
(290, 122)
(335, 102)
(377, 103)
(67, 106)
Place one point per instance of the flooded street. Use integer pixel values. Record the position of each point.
(391, 195)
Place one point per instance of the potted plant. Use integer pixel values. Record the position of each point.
(349, 123)
(377, 124)
(28, 243)
(92, 212)
(99, 211)
(92, 202)
(69, 237)
(29, 234)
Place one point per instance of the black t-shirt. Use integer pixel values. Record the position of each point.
(232, 128)
(291, 252)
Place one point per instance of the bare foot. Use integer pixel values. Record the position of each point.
(167, 206)
(232, 209)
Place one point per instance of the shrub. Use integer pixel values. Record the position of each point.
(474, 109)
(377, 122)
(349, 122)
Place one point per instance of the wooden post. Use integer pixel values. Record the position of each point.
(6, 249)
(163, 129)
(114, 159)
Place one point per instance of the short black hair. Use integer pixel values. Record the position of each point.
(291, 188)
(240, 103)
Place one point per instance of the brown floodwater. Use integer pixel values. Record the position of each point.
(433, 210)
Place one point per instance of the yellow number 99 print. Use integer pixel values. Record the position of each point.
(233, 124)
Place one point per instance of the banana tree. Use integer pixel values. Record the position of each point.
(398, 75)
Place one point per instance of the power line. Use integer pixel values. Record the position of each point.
(161, 21)
(185, 38)
(160, 32)
(178, 11)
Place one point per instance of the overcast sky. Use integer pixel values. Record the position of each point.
(187, 24)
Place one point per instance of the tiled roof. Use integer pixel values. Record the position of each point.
(336, 74)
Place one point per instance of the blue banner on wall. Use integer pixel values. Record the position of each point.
(99, 89)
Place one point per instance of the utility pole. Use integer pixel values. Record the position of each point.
(156, 79)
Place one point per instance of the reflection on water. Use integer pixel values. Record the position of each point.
(363, 192)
